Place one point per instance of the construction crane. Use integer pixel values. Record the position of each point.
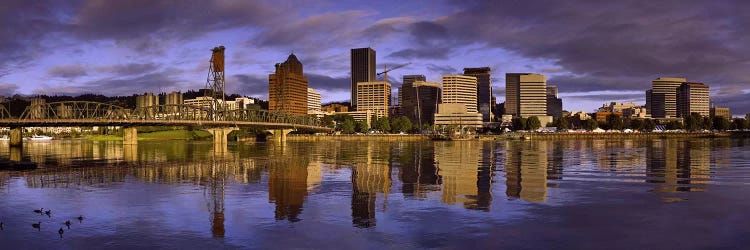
(386, 70)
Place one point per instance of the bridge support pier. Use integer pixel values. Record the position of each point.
(16, 153)
(279, 135)
(130, 136)
(16, 137)
(220, 137)
(130, 152)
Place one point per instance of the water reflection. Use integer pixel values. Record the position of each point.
(468, 175)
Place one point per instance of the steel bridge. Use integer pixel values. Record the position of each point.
(85, 113)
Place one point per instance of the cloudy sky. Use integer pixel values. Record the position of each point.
(594, 51)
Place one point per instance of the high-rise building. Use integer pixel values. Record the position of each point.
(484, 90)
(419, 99)
(720, 112)
(692, 97)
(374, 96)
(313, 100)
(287, 88)
(363, 70)
(664, 97)
(526, 95)
(554, 104)
(460, 89)
(648, 101)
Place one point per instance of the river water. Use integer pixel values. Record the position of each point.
(561, 194)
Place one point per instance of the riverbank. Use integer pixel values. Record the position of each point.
(517, 136)
(606, 135)
(159, 135)
(376, 137)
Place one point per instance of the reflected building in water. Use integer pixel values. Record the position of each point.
(677, 166)
(465, 169)
(417, 170)
(288, 176)
(370, 176)
(526, 170)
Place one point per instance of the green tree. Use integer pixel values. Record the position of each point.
(707, 123)
(347, 126)
(327, 121)
(739, 123)
(590, 124)
(614, 122)
(693, 122)
(561, 123)
(404, 124)
(674, 125)
(721, 123)
(533, 123)
(361, 126)
(519, 123)
(383, 124)
(636, 124)
(649, 125)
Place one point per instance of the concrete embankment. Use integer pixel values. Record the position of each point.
(615, 136)
(357, 137)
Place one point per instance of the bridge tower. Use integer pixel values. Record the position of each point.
(215, 81)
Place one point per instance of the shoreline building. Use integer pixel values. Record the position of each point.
(459, 104)
(287, 88)
(720, 112)
(173, 100)
(313, 101)
(362, 70)
(662, 100)
(484, 91)
(526, 96)
(375, 97)
(692, 97)
(554, 104)
(419, 99)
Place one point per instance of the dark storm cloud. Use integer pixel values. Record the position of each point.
(252, 85)
(153, 82)
(647, 39)
(25, 24)
(323, 82)
(422, 53)
(133, 68)
(442, 69)
(67, 71)
(146, 25)
(739, 102)
(605, 98)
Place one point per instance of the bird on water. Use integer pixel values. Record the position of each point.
(67, 223)
(80, 218)
(61, 231)
(1, 226)
(48, 213)
(37, 225)
(39, 211)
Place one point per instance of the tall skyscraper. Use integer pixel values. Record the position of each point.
(664, 96)
(419, 99)
(554, 104)
(374, 96)
(692, 97)
(363, 70)
(287, 88)
(525, 95)
(461, 89)
(484, 90)
(313, 100)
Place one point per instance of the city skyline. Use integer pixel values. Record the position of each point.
(134, 47)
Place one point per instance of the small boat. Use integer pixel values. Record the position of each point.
(40, 138)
